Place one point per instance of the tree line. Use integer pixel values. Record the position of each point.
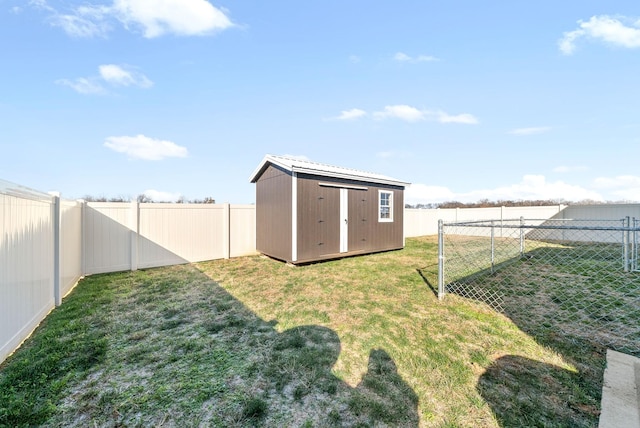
(486, 203)
(144, 199)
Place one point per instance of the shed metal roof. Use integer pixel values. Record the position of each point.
(315, 168)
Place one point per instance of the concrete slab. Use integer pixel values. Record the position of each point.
(620, 392)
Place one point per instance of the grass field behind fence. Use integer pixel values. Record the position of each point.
(361, 341)
(578, 288)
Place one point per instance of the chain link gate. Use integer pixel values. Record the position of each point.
(578, 277)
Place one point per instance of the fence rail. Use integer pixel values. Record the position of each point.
(579, 277)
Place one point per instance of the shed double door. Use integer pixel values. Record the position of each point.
(353, 220)
(331, 220)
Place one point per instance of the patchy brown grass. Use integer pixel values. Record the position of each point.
(360, 341)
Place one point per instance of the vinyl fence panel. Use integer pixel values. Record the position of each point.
(421, 222)
(242, 230)
(180, 233)
(26, 266)
(106, 237)
(71, 245)
(600, 212)
(127, 236)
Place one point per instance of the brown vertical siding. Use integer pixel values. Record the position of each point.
(273, 213)
(319, 219)
(361, 219)
(389, 235)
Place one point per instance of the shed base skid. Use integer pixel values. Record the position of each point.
(327, 257)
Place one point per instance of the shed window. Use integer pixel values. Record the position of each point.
(385, 206)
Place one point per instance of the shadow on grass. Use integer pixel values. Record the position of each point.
(517, 387)
(427, 272)
(536, 296)
(175, 348)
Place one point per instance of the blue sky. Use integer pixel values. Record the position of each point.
(467, 100)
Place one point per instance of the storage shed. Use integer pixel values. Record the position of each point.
(307, 211)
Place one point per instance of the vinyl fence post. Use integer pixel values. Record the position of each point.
(56, 224)
(83, 244)
(134, 218)
(83, 233)
(440, 260)
(226, 230)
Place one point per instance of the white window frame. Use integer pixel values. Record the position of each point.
(380, 218)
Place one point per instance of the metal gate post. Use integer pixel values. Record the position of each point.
(492, 245)
(440, 260)
(634, 246)
(521, 237)
(633, 241)
(625, 243)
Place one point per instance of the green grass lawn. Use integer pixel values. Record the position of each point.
(578, 288)
(361, 341)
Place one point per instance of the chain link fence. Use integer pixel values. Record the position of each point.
(577, 277)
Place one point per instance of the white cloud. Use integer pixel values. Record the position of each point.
(159, 196)
(142, 147)
(84, 85)
(530, 131)
(402, 57)
(153, 17)
(464, 118)
(623, 187)
(123, 76)
(40, 4)
(412, 114)
(565, 169)
(619, 181)
(402, 112)
(422, 193)
(352, 114)
(532, 187)
(180, 17)
(111, 74)
(355, 59)
(604, 28)
(79, 26)
(537, 187)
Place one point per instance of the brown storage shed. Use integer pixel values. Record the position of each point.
(307, 211)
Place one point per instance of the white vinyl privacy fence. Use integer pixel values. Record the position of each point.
(48, 243)
(422, 222)
(40, 256)
(127, 236)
